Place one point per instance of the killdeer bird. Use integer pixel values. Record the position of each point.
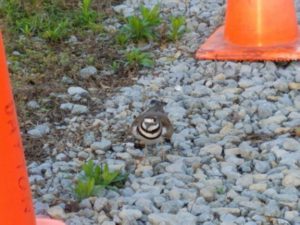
(152, 126)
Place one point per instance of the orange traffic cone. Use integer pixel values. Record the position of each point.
(255, 30)
(15, 196)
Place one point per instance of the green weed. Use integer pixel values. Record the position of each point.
(115, 66)
(220, 190)
(26, 26)
(138, 58)
(87, 15)
(177, 28)
(56, 31)
(95, 178)
(151, 16)
(142, 27)
(121, 39)
(86, 188)
(138, 29)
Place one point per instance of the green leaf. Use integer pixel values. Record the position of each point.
(97, 175)
(151, 16)
(147, 62)
(88, 168)
(84, 188)
(108, 176)
(177, 28)
(97, 189)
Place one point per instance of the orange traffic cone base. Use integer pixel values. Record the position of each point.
(217, 48)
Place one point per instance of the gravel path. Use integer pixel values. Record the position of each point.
(230, 160)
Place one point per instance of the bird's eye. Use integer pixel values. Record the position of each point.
(153, 101)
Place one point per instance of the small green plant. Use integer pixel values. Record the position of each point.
(86, 17)
(142, 27)
(138, 58)
(115, 66)
(25, 26)
(95, 178)
(55, 31)
(177, 28)
(137, 29)
(151, 16)
(220, 190)
(86, 188)
(87, 14)
(121, 39)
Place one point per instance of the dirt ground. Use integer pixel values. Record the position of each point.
(37, 67)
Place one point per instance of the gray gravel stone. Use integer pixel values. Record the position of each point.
(214, 149)
(108, 223)
(297, 102)
(245, 180)
(261, 166)
(88, 138)
(104, 145)
(33, 104)
(292, 179)
(85, 203)
(272, 209)
(265, 109)
(73, 39)
(171, 219)
(66, 106)
(40, 208)
(176, 167)
(57, 212)
(74, 108)
(100, 204)
(87, 72)
(145, 205)
(39, 131)
(171, 206)
(67, 80)
(77, 93)
(130, 214)
(79, 109)
(291, 215)
(291, 145)
(281, 85)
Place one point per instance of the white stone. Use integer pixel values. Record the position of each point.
(39, 131)
(100, 203)
(214, 149)
(273, 120)
(130, 214)
(292, 179)
(291, 145)
(176, 167)
(77, 91)
(245, 181)
(291, 215)
(260, 187)
(57, 212)
(208, 193)
(227, 210)
(182, 218)
(88, 71)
